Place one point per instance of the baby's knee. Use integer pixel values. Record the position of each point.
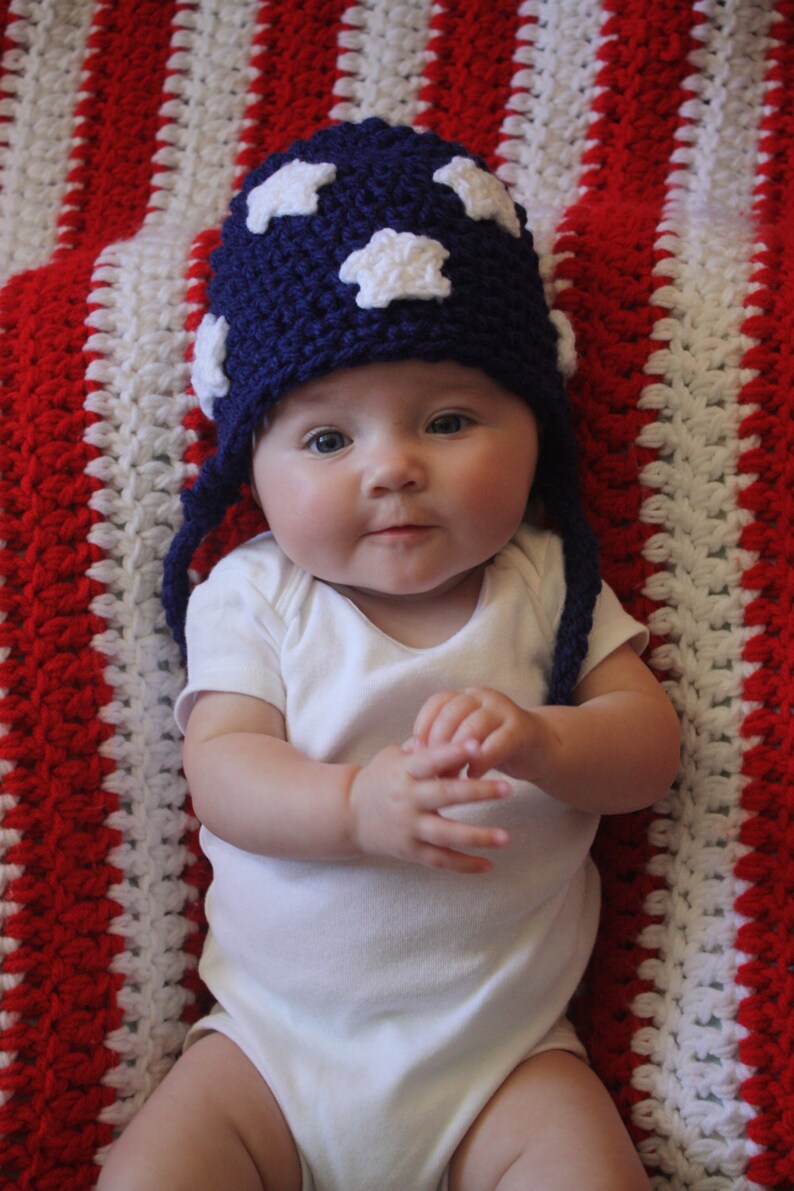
(118, 1175)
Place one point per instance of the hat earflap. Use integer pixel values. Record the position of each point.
(205, 504)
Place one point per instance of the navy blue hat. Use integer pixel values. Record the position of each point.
(367, 243)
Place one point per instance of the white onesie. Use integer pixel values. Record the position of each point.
(383, 1002)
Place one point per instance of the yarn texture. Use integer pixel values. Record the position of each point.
(652, 148)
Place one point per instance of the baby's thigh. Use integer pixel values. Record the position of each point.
(212, 1123)
(551, 1125)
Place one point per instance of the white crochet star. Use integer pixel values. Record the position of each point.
(396, 265)
(482, 194)
(209, 351)
(292, 190)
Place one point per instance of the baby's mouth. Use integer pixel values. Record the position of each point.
(400, 530)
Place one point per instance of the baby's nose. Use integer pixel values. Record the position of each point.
(392, 466)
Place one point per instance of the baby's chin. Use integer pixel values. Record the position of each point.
(418, 591)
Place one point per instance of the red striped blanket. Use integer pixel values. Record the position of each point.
(653, 147)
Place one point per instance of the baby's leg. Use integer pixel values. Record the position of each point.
(212, 1123)
(551, 1125)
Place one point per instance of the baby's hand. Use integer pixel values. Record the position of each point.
(510, 738)
(396, 799)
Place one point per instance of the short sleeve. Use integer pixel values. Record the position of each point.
(612, 627)
(234, 636)
(541, 558)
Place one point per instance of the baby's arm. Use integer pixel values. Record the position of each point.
(253, 789)
(616, 749)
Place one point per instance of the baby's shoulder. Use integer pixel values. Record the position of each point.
(258, 571)
(535, 554)
(531, 567)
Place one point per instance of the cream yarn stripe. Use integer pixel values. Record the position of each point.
(141, 377)
(692, 1077)
(382, 61)
(205, 109)
(40, 86)
(140, 399)
(545, 130)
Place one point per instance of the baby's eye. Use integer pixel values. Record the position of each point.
(326, 442)
(449, 423)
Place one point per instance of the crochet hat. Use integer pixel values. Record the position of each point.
(367, 243)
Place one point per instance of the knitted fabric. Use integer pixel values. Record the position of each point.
(368, 243)
(652, 146)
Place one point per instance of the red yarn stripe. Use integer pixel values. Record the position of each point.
(611, 233)
(468, 82)
(117, 122)
(294, 42)
(769, 764)
(66, 1000)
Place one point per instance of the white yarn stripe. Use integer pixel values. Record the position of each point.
(693, 1108)
(143, 372)
(37, 104)
(384, 56)
(545, 131)
(139, 335)
(205, 110)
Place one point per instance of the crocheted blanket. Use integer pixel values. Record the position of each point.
(652, 147)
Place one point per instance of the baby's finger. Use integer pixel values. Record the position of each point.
(437, 795)
(481, 724)
(423, 763)
(447, 723)
(496, 740)
(459, 837)
(429, 712)
(450, 861)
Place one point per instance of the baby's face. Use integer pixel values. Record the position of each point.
(397, 479)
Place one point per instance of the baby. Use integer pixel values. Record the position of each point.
(407, 703)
